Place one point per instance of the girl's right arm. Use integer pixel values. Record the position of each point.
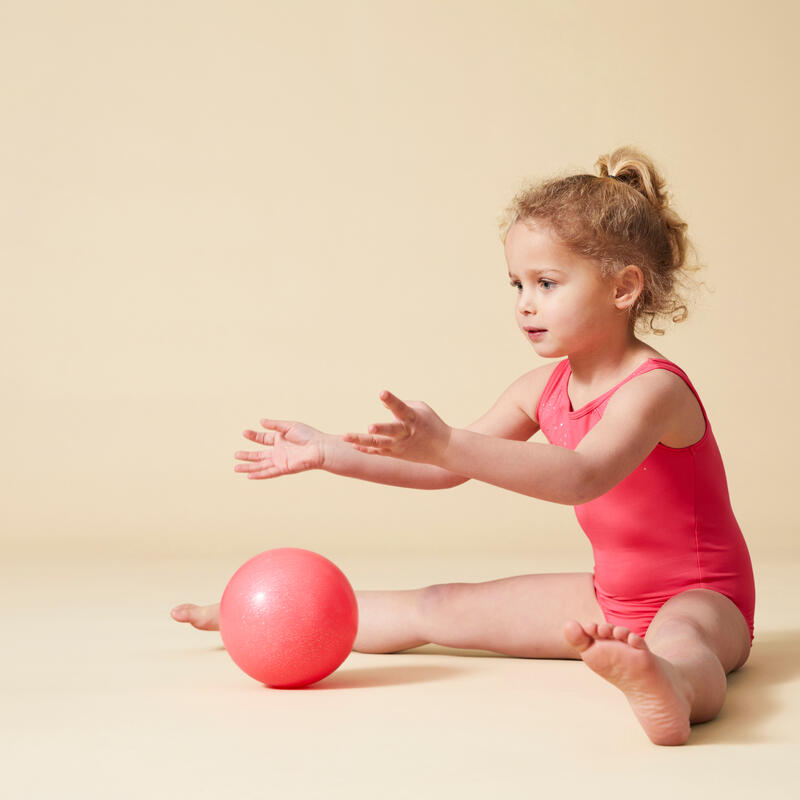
(297, 447)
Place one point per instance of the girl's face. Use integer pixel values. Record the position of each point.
(564, 305)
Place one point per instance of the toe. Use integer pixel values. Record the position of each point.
(621, 633)
(181, 612)
(575, 634)
(604, 630)
(634, 640)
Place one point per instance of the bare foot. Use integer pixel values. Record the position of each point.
(205, 618)
(658, 693)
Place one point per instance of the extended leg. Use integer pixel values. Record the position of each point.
(389, 621)
(519, 616)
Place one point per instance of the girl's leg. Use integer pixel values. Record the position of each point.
(387, 621)
(676, 674)
(704, 636)
(519, 616)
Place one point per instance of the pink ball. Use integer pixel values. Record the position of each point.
(288, 617)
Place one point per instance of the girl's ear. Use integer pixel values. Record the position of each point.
(629, 283)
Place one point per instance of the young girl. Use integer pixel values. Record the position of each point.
(668, 610)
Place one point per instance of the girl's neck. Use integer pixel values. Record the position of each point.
(610, 360)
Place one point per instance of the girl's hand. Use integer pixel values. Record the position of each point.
(295, 448)
(418, 435)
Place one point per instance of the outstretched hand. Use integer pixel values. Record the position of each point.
(418, 435)
(295, 447)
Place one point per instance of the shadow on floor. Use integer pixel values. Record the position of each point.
(751, 705)
(752, 702)
(441, 650)
(402, 675)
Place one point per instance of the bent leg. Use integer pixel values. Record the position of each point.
(676, 674)
(704, 636)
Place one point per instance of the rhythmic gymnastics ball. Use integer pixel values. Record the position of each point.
(288, 617)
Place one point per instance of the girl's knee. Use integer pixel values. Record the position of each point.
(710, 618)
(676, 627)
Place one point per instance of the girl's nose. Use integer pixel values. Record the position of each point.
(526, 304)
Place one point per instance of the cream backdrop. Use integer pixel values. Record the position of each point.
(216, 212)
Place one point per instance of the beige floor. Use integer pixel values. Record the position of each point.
(104, 696)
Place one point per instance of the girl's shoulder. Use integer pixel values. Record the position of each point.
(513, 414)
(534, 383)
(661, 381)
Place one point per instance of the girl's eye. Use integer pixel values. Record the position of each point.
(543, 282)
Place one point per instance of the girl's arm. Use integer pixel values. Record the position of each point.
(295, 447)
(510, 418)
(636, 418)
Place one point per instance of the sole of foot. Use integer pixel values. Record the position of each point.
(657, 693)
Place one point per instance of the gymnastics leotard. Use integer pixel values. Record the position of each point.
(665, 528)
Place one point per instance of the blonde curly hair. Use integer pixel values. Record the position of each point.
(620, 216)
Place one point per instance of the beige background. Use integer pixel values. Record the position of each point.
(219, 212)
(215, 212)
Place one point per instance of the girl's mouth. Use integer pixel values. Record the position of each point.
(535, 333)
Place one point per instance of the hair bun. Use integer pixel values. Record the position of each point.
(629, 165)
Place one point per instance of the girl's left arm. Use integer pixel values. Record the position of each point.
(635, 419)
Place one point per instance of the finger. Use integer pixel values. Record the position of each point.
(244, 455)
(397, 407)
(375, 451)
(259, 436)
(368, 441)
(261, 464)
(272, 472)
(395, 430)
(276, 424)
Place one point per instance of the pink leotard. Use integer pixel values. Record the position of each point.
(665, 528)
